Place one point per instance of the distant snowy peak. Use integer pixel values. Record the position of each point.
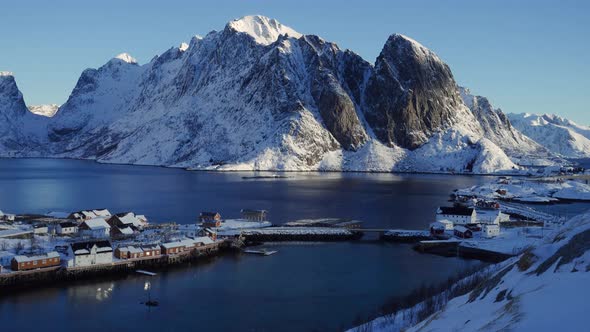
(6, 73)
(559, 135)
(264, 30)
(183, 47)
(125, 57)
(44, 110)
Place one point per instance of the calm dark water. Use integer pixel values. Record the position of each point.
(317, 286)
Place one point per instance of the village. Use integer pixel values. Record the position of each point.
(96, 239)
(477, 226)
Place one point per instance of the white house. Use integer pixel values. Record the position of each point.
(90, 253)
(66, 227)
(6, 216)
(490, 230)
(96, 228)
(458, 215)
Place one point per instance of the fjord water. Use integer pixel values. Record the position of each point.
(306, 286)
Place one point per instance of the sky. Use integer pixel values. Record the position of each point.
(525, 56)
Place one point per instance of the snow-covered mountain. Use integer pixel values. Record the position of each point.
(20, 130)
(48, 110)
(559, 135)
(258, 95)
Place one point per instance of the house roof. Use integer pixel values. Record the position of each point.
(437, 225)
(455, 210)
(83, 248)
(174, 244)
(102, 212)
(96, 223)
(23, 258)
(131, 249)
(461, 229)
(125, 230)
(203, 240)
(150, 247)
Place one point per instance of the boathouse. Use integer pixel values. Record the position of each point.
(150, 250)
(128, 252)
(90, 253)
(23, 263)
(457, 215)
(95, 228)
(462, 232)
(66, 227)
(437, 228)
(172, 247)
(254, 215)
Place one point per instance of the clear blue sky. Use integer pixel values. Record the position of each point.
(526, 56)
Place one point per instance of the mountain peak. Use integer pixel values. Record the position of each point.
(125, 57)
(264, 30)
(6, 73)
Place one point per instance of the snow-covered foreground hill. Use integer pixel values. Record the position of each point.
(258, 95)
(544, 289)
(559, 135)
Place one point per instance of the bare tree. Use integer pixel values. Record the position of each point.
(4, 245)
(19, 247)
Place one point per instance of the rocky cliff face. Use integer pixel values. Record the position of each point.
(259, 95)
(411, 94)
(497, 127)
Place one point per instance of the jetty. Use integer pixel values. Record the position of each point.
(146, 272)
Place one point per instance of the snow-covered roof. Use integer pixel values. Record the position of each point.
(126, 230)
(437, 225)
(130, 219)
(102, 213)
(203, 240)
(461, 229)
(96, 223)
(88, 214)
(174, 244)
(131, 249)
(22, 258)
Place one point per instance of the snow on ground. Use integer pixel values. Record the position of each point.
(535, 190)
(544, 289)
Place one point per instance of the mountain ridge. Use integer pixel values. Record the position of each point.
(253, 97)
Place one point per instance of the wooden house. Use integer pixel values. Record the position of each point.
(66, 227)
(151, 250)
(463, 232)
(23, 263)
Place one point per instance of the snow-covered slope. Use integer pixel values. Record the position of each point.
(559, 135)
(48, 110)
(545, 289)
(498, 128)
(259, 95)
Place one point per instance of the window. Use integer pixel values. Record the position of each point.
(44, 261)
(34, 262)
